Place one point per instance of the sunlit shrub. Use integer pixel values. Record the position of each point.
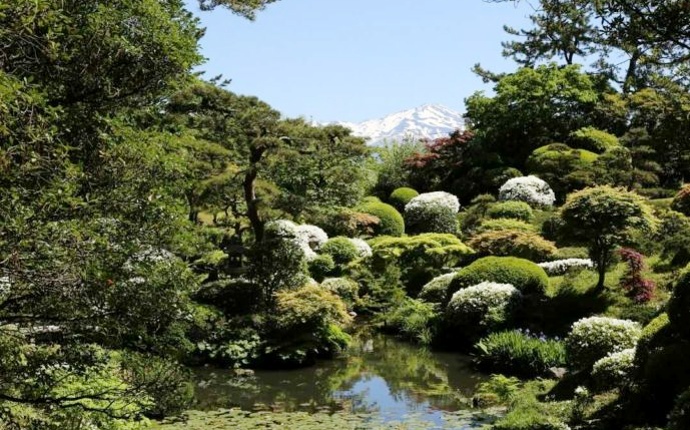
(436, 290)
(363, 248)
(478, 309)
(341, 249)
(514, 243)
(614, 370)
(681, 201)
(412, 320)
(505, 224)
(528, 189)
(593, 139)
(511, 209)
(402, 196)
(312, 235)
(593, 338)
(560, 267)
(391, 223)
(523, 274)
(434, 212)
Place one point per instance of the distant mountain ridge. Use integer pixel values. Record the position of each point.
(426, 121)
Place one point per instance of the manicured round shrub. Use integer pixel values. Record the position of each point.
(513, 210)
(614, 370)
(345, 288)
(528, 189)
(593, 139)
(679, 305)
(391, 223)
(681, 202)
(432, 213)
(505, 224)
(514, 243)
(341, 249)
(478, 309)
(561, 267)
(312, 235)
(565, 169)
(523, 274)
(680, 415)
(363, 248)
(321, 266)
(287, 230)
(402, 196)
(654, 335)
(436, 290)
(518, 353)
(593, 338)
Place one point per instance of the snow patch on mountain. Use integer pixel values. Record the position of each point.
(428, 121)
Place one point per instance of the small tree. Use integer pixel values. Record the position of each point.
(601, 218)
(638, 288)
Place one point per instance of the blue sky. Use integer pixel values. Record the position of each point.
(351, 60)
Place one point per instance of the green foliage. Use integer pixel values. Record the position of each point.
(654, 335)
(390, 165)
(503, 388)
(512, 210)
(321, 266)
(681, 201)
(591, 339)
(277, 264)
(391, 223)
(346, 289)
(232, 296)
(514, 243)
(523, 274)
(340, 249)
(306, 323)
(679, 305)
(592, 139)
(564, 168)
(603, 217)
(527, 412)
(505, 224)
(517, 353)
(411, 319)
(420, 257)
(615, 370)
(401, 196)
(347, 222)
(436, 290)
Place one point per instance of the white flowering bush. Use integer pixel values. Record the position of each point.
(560, 267)
(363, 248)
(596, 337)
(436, 290)
(481, 308)
(286, 229)
(432, 213)
(280, 228)
(528, 189)
(613, 370)
(312, 235)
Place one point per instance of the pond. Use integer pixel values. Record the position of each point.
(379, 383)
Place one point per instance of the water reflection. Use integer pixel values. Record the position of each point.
(378, 374)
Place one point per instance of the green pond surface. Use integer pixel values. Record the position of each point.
(379, 383)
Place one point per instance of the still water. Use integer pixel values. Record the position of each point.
(379, 382)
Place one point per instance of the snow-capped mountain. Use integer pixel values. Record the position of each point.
(427, 121)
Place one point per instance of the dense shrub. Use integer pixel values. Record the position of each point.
(614, 370)
(593, 338)
(653, 336)
(350, 223)
(341, 249)
(479, 309)
(565, 169)
(307, 323)
(475, 214)
(681, 201)
(312, 235)
(523, 274)
(363, 248)
(679, 305)
(420, 257)
(436, 290)
(402, 196)
(277, 264)
(391, 223)
(680, 415)
(561, 267)
(505, 224)
(286, 230)
(411, 319)
(593, 139)
(518, 353)
(346, 289)
(434, 212)
(511, 209)
(232, 296)
(528, 189)
(514, 243)
(321, 266)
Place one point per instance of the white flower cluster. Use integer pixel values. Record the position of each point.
(5, 286)
(560, 267)
(434, 199)
(595, 337)
(529, 189)
(314, 236)
(615, 365)
(487, 296)
(282, 228)
(363, 248)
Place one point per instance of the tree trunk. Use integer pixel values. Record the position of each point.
(250, 194)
